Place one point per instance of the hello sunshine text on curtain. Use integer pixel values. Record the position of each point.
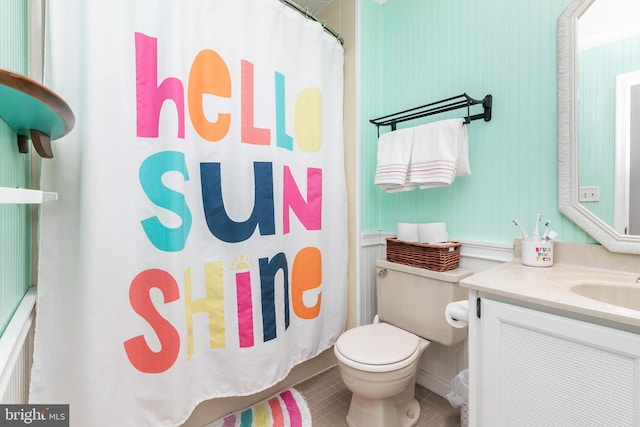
(198, 247)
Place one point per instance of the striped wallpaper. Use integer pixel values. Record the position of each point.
(416, 51)
(15, 220)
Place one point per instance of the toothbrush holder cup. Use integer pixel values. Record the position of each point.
(537, 253)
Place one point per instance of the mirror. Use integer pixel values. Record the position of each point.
(608, 35)
(586, 131)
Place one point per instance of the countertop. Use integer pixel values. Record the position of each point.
(551, 287)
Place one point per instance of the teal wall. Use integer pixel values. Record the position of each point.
(15, 220)
(418, 51)
(599, 67)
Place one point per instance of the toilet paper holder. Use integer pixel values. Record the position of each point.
(457, 313)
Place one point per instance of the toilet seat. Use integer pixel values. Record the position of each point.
(379, 347)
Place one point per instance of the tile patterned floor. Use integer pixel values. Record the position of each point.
(329, 400)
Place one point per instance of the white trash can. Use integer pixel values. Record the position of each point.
(459, 396)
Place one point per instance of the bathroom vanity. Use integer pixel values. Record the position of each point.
(556, 346)
(560, 345)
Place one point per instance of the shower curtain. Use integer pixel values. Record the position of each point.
(198, 248)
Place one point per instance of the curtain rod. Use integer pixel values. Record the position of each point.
(306, 13)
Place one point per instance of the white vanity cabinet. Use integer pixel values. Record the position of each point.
(529, 367)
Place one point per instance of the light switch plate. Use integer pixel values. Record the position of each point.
(589, 194)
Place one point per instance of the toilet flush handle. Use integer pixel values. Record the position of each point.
(382, 272)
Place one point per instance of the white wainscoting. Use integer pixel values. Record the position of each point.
(16, 350)
(372, 247)
(439, 364)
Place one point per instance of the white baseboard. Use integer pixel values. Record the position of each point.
(435, 384)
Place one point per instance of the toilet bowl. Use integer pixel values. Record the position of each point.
(378, 363)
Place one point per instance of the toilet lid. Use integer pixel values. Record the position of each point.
(377, 344)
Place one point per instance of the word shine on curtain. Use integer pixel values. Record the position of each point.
(198, 247)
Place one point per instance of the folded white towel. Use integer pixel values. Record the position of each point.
(464, 168)
(394, 157)
(439, 153)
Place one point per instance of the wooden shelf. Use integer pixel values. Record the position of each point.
(33, 111)
(24, 196)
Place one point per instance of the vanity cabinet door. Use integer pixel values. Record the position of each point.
(539, 370)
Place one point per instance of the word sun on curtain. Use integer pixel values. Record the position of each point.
(198, 247)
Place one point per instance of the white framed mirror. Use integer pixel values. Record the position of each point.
(575, 142)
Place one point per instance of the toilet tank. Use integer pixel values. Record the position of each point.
(414, 299)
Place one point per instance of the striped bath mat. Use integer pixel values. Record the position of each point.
(286, 409)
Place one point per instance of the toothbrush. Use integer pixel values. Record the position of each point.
(536, 236)
(546, 230)
(525, 236)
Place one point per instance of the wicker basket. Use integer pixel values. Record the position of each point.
(441, 257)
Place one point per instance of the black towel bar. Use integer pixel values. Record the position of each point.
(449, 104)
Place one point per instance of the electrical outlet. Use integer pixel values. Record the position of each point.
(589, 194)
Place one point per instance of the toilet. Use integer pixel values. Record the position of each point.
(379, 362)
